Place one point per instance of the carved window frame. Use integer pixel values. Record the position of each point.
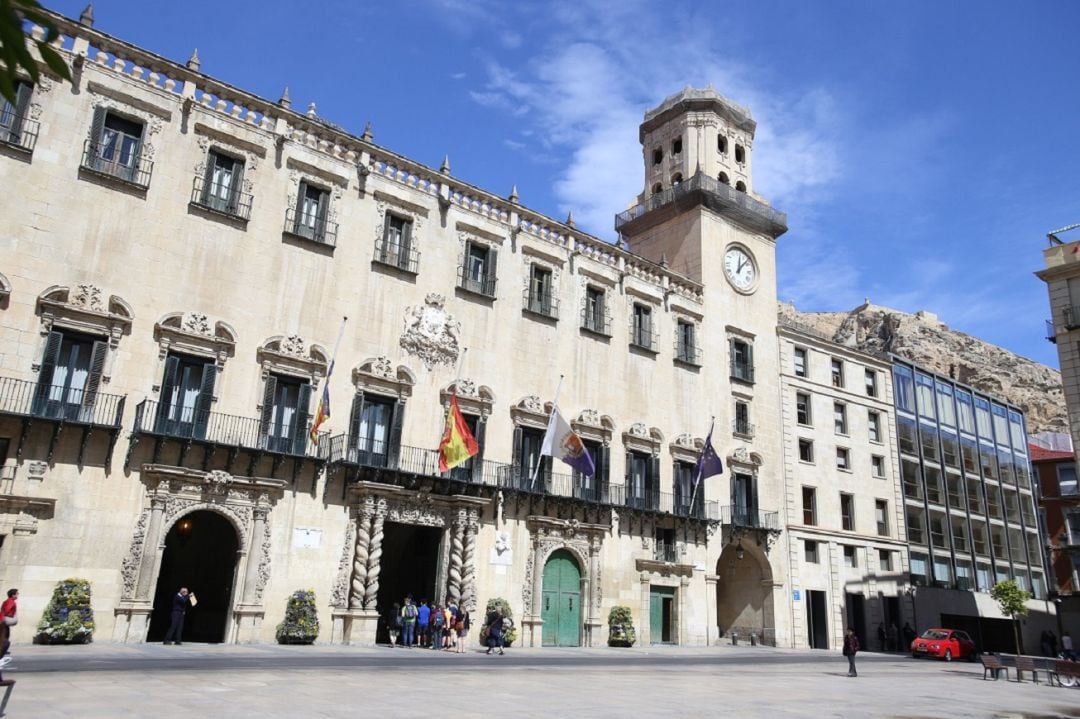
(408, 211)
(643, 439)
(82, 309)
(686, 448)
(290, 356)
(191, 333)
(378, 376)
(530, 412)
(472, 399)
(592, 426)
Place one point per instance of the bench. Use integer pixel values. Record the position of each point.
(1069, 671)
(1033, 665)
(993, 664)
(8, 685)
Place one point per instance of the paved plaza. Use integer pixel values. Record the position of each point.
(271, 681)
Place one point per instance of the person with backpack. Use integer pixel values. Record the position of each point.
(409, 615)
(423, 623)
(495, 631)
(393, 623)
(438, 625)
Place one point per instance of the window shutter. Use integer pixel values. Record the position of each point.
(202, 402)
(237, 186)
(49, 360)
(301, 196)
(393, 452)
(406, 243)
(303, 419)
(356, 414)
(603, 471)
(93, 380)
(384, 245)
(465, 263)
(489, 275)
(208, 177)
(653, 480)
(267, 414)
(750, 360)
(478, 458)
(22, 102)
(97, 126)
(629, 475)
(516, 461)
(320, 215)
(168, 384)
(136, 156)
(731, 356)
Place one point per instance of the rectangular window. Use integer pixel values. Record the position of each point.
(70, 374)
(919, 576)
(885, 560)
(843, 458)
(15, 128)
(982, 419)
(809, 506)
(983, 576)
(959, 533)
(907, 435)
(642, 328)
(909, 471)
(873, 424)
(527, 459)
(963, 575)
(934, 490)
(840, 418)
(742, 361)
(954, 487)
(974, 495)
(847, 512)
(924, 395)
(806, 450)
(742, 419)
(871, 383)
(803, 412)
(837, 367)
(284, 421)
(478, 269)
(904, 387)
(1067, 484)
(966, 412)
(877, 466)
(396, 249)
(1001, 424)
(686, 349)
(473, 466)
(946, 408)
(1016, 431)
(942, 572)
(881, 516)
(969, 456)
(993, 501)
(950, 450)
(800, 362)
(916, 525)
(937, 530)
(115, 147)
(371, 437)
(187, 389)
(594, 317)
(810, 550)
(929, 441)
(684, 491)
(312, 204)
(541, 297)
(851, 556)
(641, 483)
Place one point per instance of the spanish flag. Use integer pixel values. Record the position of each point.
(458, 443)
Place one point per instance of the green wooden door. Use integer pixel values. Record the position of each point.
(661, 619)
(561, 601)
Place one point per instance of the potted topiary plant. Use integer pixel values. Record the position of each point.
(68, 618)
(301, 623)
(621, 627)
(510, 633)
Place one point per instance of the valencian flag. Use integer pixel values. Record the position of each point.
(708, 462)
(458, 443)
(562, 442)
(322, 412)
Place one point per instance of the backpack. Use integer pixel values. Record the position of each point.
(410, 611)
(438, 619)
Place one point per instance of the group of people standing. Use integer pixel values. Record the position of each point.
(431, 626)
(1049, 645)
(890, 636)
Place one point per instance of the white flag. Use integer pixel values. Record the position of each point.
(562, 442)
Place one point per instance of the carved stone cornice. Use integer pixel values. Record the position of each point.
(20, 514)
(379, 376)
(173, 482)
(472, 398)
(192, 333)
(667, 569)
(291, 355)
(84, 308)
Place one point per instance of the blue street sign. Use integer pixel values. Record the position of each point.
(795, 594)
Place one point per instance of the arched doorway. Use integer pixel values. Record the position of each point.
(560, 607)
(744, 593)
(200, 554)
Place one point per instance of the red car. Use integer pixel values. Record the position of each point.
(947, 644)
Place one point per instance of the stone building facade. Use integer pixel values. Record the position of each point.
(178, 259)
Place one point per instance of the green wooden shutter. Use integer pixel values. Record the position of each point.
(628, 478)
(132, 173)
(406, 243)
(266, 417)
(320, 215)
(302, 418)
(393, 451)
(384, 251)
(202, 402)
(652, 488)
(22, 103)
(169, 381)
(750, 361)
(97, 132)
(301, 196)
(490, 276)
(465, 264)
(356, 413)
(237, 187)
(478, 458)
(516, 464)
(603, 472)
(93, 379)
(208, 177)
(49, 360)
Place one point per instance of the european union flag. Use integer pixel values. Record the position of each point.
(708, 462)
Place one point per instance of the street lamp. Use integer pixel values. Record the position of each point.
(1056, 598)
(911, 591)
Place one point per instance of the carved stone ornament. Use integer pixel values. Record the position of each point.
(293, 345)
(129, 570)
(340, 595)
(431, 333)
(466, 388)
(532, 404)
(383, 367)
(741, 454)
(638, 429)
(217, 482)
(417, 511)
(590, 417)
(87, 296)
(198, 324)
(264, 563)
(685, 441)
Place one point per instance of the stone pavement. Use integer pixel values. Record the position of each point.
(263, 681)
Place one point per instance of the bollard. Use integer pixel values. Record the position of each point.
(734, 639)
(753, 640)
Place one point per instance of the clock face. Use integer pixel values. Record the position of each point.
(740, 269)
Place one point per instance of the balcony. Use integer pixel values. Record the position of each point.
(398, 255)
(135, 171)
(1051, 332)
(312, 229)
(213, 430)
(750, 518)
(644, 338)
(665, 552)
(702, 189)
(687, 353)
(742, 428)
(742, 373)
(220, 199)
(544, 304)
(483, 285)
(22, 138)
(596, 320)
(61, 406)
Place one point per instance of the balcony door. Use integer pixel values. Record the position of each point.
(527, 460)
(187, 390)
(285, 414)
(70, 372)
(744, 499)
(375, 431)
(117, 144)
(642, 476)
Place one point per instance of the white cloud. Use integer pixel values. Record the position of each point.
(458, 75)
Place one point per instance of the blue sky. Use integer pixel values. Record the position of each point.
(922, 150)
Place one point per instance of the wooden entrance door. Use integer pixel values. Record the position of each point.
(662, 615)
(561, 601)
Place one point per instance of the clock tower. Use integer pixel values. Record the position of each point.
(699, 215)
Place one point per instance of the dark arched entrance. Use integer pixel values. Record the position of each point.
(200, 554)
(744, 593)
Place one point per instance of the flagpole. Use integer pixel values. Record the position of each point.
(697, 480)
(313, 432)
(554, 408)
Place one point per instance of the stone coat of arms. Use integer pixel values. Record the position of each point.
(431, 334)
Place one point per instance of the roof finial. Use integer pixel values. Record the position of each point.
(367, 136)
(311, 109)
(663, 259)
(193, 62)
(285, 101)
(570, 218)
(445, 167)
(513, 195)
(87, 17)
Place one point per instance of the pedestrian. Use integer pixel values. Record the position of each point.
(881, 635)
(448, 636)
(909, 636)
(851, 648)
(891, 634)
(393, 623)
(438, 625)
(1044, 644)
(180, 603)
(1067, 650)
(1053, 644)
(409, 615)
(422, 622)
(494, 630)
(462, 628)
(9, 617)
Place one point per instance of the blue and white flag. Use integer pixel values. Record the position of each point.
(562, 442)
(708, 462)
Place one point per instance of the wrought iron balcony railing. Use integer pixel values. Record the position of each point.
(665, 552)
(483, 285)
(63, 404)
(687, 353)
(644, 337)
(742, 427)
(315, 229)
(187, 423)
(545, 304)
(220, 199)
(1051, 332)
(749, 517)
(403, 256)
(22, 134)
(135, 170)
(596, 320)
(742, 372)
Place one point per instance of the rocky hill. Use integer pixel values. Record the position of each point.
(925, 340)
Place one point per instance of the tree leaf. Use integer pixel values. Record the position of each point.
(54, 61)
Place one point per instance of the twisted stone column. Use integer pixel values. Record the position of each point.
(468, 563)
(151, 541)
(360, 560)
(374, 565)
(457, 550)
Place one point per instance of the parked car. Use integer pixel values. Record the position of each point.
(947, 644)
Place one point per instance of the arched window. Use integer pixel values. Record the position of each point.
(657, 188)
(721, 144)
(657, 156)
(740, 154)
(724, 178)
(740, 186)
(676, 146)
(676, 179)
